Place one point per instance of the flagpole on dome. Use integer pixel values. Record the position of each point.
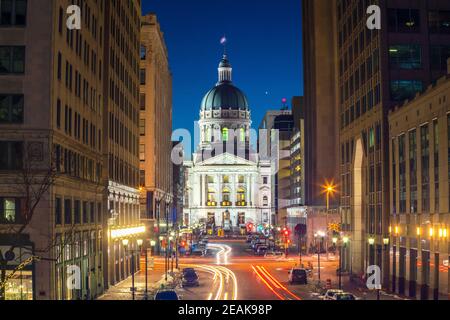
(223, 41)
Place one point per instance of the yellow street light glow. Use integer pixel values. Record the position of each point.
(390, 229)
(120, 233)
(396, 230)
(125, 242)
(345, 239)
(445, 233)
(371, 241)
(441, 233)
(431, 232)
(418, 231)
(140, 242)
(335, 240)
(386, 241)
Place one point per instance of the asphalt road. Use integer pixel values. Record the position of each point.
(234, 273)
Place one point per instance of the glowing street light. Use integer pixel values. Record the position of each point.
(329, 188)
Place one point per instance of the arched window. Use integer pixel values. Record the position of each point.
(225, 135)
(211, 195)
(226, 195)
(241, 194)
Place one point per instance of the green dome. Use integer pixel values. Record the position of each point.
(225, 96)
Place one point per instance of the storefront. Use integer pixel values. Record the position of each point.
(19, 270)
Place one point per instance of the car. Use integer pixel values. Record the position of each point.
(298, 275)
(261, 250)
(343, 296)
(269, 254)
(258, 246)
(197, 253)
(167, 295)
(330, 293)
(190, 278)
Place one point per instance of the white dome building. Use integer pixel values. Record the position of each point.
(228, 185)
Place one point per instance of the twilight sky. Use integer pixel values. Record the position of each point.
(264, 47)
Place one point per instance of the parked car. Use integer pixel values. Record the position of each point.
(343, 296)
(190, 278)
(330, 293)
(298, 275)
(167, 295)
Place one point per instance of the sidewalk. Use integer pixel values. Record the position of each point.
(122, 290)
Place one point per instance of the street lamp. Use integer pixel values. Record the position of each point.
(320, 234)
(125, 243)
(344, 241)
(329, 188)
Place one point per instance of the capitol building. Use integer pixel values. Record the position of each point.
(228, 184)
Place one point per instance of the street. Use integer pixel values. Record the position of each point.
(233, 272)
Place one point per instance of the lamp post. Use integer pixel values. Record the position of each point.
(320, 234)
(125, 243)
(172, 234)
(329, 189)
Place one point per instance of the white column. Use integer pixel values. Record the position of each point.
(247, 182)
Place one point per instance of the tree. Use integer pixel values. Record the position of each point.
(37, 173)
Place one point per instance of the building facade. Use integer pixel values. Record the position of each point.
(275, 133)
(51, 124)
(419, 179)
(320, 97)
(296, 211)
(377, 69)
(69, 122)
(228, 185)
(121, 137)
(155, 129)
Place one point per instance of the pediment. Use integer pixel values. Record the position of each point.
(226, 159)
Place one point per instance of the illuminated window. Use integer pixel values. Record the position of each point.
(241, 179)
(211, 195)
(242, 132)
(241, 194)
(226, 195)
(8, 210)
(225, 135)
(226, 179)
(406, 56)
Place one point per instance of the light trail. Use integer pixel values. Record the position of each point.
(223, 253)
(267, 284)
(278, 282)
(231, 274)
(268, 278)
